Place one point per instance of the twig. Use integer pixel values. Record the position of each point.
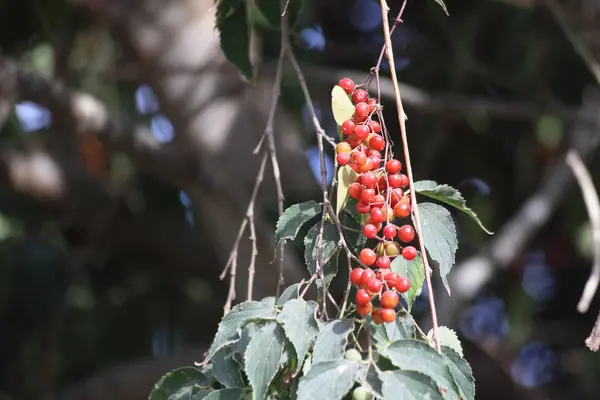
(593, 341)
(415, 208)
(592, 203)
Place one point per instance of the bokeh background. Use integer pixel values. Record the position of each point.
(118, 212)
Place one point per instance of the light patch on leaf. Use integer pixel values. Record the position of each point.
(345, 177)
(328, 380)
(341, 105)
(447, 337)
(414, 270)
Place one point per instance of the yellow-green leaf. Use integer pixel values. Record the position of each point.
(341, 105)
(345, 177)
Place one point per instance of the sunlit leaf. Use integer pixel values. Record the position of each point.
(447, 337)
(261, 360)
(413, 270)
(330, 380)
(341, 105)
(345, 177)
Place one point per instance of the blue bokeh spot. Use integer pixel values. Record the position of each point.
(145, 100)
(313, 38)
(534, 366)
(312, 155)
(162, 129)
(32, 117)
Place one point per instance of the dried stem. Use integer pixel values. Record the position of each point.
(401, 119)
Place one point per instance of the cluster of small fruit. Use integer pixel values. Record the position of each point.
(379, 192)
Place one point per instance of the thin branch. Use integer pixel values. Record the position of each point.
(415, 208)
(592, 203)
(593, 341)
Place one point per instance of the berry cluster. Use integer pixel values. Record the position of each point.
(379, 192)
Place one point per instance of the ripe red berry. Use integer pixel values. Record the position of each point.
(369, 165)
(393, 166)
(375, 126)
(374, 286)
(355, 275)
(376, 316)
(394, 180)
(354, 190)
(406, 233)
(363, 311)
(367, 276)
(377, 143)
(389, 231)
(367, 195)
(404, 181)
(370, 231)
(359, 157)
(343, 158)
(354, 167)
(391, 278)
(369, 180)
(409, 253)
(395, 196)
(382, 183)
(378, 201)
(362, 297)
(348, 127)
(402, 210)
(388, 315)
(360, 96)
(361, 132)
(353, 141)
(347, 84)
(363, 208)
(361, 111)
(402, 284)
(377, 215)
(367, 257)
(383, 262)
(389, 299)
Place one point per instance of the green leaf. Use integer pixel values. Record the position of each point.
(372, 382)
(291, 292)
(462, 373)
(226, 394)
(439, 236)
(173, 385)
(345, 177)
(402, 328)
(447, 337)
(246, 335)
(449, 195)
(408, 385)
(261, 361)
(227, 370)
(441, 4)
(300, 326)
(270, 300)
(292, 219)
(330, 380)
(355, 240)
(257, 17)
(231, 325)
(329, 244)
(332, 340)
(413, 270)
(341, 105)
(232, 23)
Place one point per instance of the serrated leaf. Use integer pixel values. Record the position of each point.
(345, 177)
(341, 105)
(226, 394)
(439, 236)
(329, 244)
(261, 360)
(332, 340)
(227, 370)
(441, 4)
(330, 380)
(232, 323)
(300, 326)
(415, 355)
(291, 292)
(408, 385)
(294, 217)
(385, 334)
(449, 195)
(413, 270)
(447, 337)
(462, 373)
(234, 32)
(175, 384)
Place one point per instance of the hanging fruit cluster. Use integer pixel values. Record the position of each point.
(379, 192)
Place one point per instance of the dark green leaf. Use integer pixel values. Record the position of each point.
(414, 355)
(226, 394)
(291, 292)
(232, 323)
(329, 244)
(461, 372)
(413, 270)
(232, 23)
(227, 370)
(408, 385)
(372, 382)
(246, 335)
(449, 195)
(355, 240)
(330, 380)
(331, 342)
(439, 236)
(386, 334)
(175, 384)
(292, 219)
(261, 361)
(300, 325)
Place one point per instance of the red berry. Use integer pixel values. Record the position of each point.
(402, 210)
(353, 141)
(361, 132)
(363, 208)
(374, 286)
(389, 231)
(383, 262)
(347, 84)
(395, 196)
(389, 299)
(402, 284)
(360, 96)
(377, 215)
(361, 111)
(377, 143)
(366, 277)
(406, 233)
(343, 158)
(391, 279)
(382, 183)
(363, 311)
(354, 190)
(369, 179)
(404, 181)
(359, 157)
(342, 147)
(409, 253)
(367, 257)
(355, 275)
(369, 165)
(375, 127)
(374, 154)
(376, 316)
(362, 297)
(370, 231)
(367, 195)
(394, 180)
(348, 127)
(354, 167)
(388, 315)
(378, 201)
(393, 166)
